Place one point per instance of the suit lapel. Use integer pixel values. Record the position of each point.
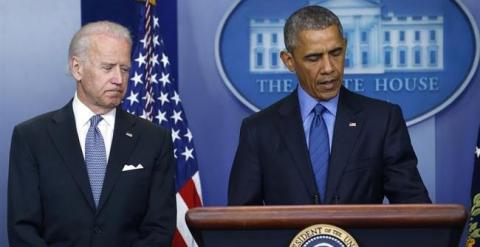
(123, 143)
(291, 130)
(62, 129)
(348, 123)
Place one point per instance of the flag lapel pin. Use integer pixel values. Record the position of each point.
(352, 124)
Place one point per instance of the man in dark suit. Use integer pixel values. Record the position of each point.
(323, 143)
(61, 191)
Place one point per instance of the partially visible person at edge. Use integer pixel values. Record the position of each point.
(90, 174)
(366, 153)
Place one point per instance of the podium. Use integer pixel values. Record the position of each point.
(370, 225)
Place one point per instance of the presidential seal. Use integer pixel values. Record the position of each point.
(323, 235)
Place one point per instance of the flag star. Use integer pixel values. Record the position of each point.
(137, 78)
(165, 79)
(161, 117)
(175, 135)
(154, 60)
(176, 97)
(175, 153)
(144, 41)
(141, 59)
(153, 78)
(133, 98)
(165, 60)
(145, 115)
(188, 153)
(177, 116)
(148, 98)
(477, 152)
(155, 22)
(189, 135)
(163, 98)
(155, 41)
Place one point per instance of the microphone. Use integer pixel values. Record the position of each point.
(316, 199)
(336, 199)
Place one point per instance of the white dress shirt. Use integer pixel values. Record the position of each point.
(82, 121)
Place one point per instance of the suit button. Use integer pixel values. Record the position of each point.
(97, 230)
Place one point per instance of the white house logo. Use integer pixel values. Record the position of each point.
(398, 51)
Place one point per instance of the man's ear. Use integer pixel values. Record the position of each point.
(76, 68)
(287, 59)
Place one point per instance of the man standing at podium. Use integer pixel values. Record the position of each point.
(323, 144)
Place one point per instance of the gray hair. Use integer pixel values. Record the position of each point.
(81, 40)
(308, 18)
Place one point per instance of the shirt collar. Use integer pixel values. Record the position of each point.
(83, 114)
(307, 103)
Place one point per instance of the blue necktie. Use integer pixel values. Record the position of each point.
(319, 149)
(95, 157)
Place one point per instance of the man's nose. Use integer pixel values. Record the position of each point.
(326, 66)
(117, 75)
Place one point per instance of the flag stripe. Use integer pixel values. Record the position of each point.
(181, 223)
(178, 240)
(189, 194)
(198, 187)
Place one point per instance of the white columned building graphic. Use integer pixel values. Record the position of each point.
(379, 41)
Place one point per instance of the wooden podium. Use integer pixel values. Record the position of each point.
(371, 225)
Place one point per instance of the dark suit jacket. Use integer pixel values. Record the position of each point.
(370, 160)
(49, 197)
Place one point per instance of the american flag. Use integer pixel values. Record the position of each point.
(474, 225)
(153, 94)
